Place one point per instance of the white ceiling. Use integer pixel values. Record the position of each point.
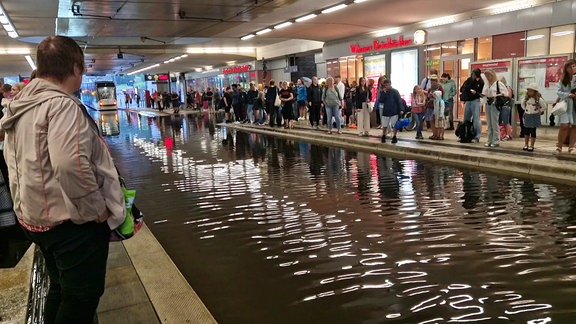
(152, 31)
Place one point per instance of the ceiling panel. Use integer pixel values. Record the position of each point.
(154, 30)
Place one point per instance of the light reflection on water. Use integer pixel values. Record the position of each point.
(270, 230)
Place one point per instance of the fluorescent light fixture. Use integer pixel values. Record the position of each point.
(247, 37)
(533, 37)
(6, 23)
(335, 8)
(177, 58)
(563, 33)
(144, 69)
(198, 69)
(439, 21)
(386, 32)
(166, 62)
(15, 51)
(359, 1)
(230, 62)
(208, 67)
(224, 50)
(282, 25)
(184, 55)
(264, 31)
(30, 61)
(308, 17)
(511, 6)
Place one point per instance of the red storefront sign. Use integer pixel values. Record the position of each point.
(380, 46)
(237, 69)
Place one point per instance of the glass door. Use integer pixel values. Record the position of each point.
(458, 66)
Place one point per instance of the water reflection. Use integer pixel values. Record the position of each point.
(273, 230)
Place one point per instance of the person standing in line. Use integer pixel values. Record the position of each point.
(301, 99)
(418, 102)
(250, 101)
(534, 106)
(506, 114)
(429, 106)
(69, 197)
(492, 90)
(287, 98)
(209, 96)
(341, 86)
(471, 91)
(449, 87)
(314, 97)
(567, 120)
(390, 105)
(271, 94)
(363, 99)
(227, 104)
(439, 118)
(332, 100)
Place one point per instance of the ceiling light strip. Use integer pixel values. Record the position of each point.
(7, 23)
(282, 25)
(144, 69)
(308, 17)
(335, 8)
(30, 61)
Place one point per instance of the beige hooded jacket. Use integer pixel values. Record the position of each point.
(59, 167)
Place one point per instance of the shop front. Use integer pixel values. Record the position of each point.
(394, 57)
(240, 74)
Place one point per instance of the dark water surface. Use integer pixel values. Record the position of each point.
(268, 230)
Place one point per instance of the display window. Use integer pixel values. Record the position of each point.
(404, 72)
(433, 54)
(332, 67)
(466, 46)
(449, 49)
(374, 67)
(562, 39)
(537, 42)
(484, 52)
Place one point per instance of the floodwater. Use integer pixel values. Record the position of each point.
(269, 230)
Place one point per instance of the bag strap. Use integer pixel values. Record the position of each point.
(497, 87)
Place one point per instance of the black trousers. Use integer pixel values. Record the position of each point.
(315, 114)
(76, 257)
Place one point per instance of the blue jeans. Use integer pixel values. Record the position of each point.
(472, 113)
(492, 116)
(418, 119)
(249, 112)
(333, 111)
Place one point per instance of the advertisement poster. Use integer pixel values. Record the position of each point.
(545, 72)
(374, 67)
(502, 69)
(404, 73)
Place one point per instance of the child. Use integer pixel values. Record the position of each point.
(439, 122)
(533, 105)
(418, 102)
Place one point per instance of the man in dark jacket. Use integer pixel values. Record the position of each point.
(271, 93)
(389, 103)
(471, 91)
(314, 97)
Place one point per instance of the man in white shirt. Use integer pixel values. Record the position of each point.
(341, 89)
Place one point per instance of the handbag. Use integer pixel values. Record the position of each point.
(559, 108)
(500, 101)
(277, 101)
(367, 105)
(134, 218)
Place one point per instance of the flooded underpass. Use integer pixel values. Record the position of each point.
(269, 230)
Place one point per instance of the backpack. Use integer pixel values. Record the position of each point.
(464, 92)
(465, 132)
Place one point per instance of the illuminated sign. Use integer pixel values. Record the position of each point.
(156, 77)
(419, 37)
(379, 46)
(237, 69)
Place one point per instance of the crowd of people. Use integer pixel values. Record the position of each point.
(334, 104)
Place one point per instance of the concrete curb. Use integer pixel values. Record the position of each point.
(538, 167)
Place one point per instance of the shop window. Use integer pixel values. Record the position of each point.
(433, 54)
(332, 67)
(484, 52)
(466, 46)
(562, 39)
(508, 45)
(343, 68)
(359, 67)
(537, 42)
(351, 66)
(449, 49)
